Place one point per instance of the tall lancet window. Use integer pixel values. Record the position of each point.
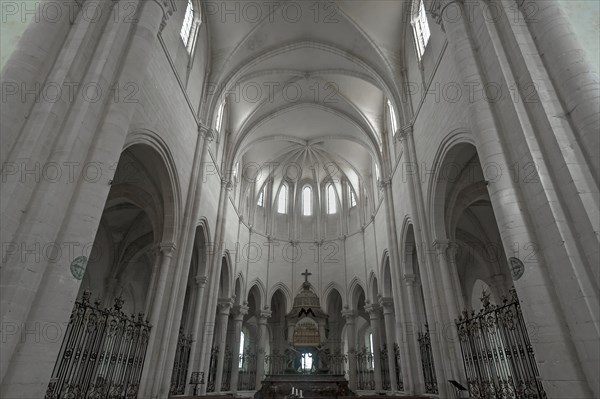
(331, 200)
(219, 121)
(421, 30)
(307, 201)
(188, 24)
(241, 360)
(393, 120)
(352, 197)
(377, 173)
(282, 200)
(261, 198)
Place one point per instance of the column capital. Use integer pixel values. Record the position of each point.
(239, 311)
(409, 279)
(373, 311)
(167, 248)
(168, 8)
(387, 304)
(206, 132)
(349, 315)
(263, 315)
(226, 184)
(405, 132)
(224, 306)
(201, 280)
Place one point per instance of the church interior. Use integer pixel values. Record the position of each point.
(300, 199)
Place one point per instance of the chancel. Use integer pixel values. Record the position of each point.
(300, 199)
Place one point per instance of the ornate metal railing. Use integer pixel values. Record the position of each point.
(102, 353)
(365, 370)
(497, 353)
(386, 383)
(336, 363)
(276, 363)
(399, 380)
(180, 366)
(247, 373)
(212, 369)
(427, 364)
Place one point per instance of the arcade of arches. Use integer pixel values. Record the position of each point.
(301, 199)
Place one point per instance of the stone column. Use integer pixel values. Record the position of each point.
(460, 294)
(223, 309)
(262, 343)
(373, 311)
(387, 304)
(199, 311)
(565, 369)
(450, 332)
(166, 255)
(350, 317)
(155, 250)
(65, 213)
(409, 283)
(239, 312)
(426, 265)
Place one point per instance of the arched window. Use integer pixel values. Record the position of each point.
(421, 30)
(393, 120)
(282, 200)
(219, 121)
(241, 360)
(372, 350)
(188, 24)
(352, 197)
(307, 361)
(331, 202)
(261, 198)
(307, 201)
(377, 174)
(236, 171)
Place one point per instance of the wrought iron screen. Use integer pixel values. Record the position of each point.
(212, 369)
(247, 373)
(365, 370)
(429, 376)
(180, 366)
(497, 353)
(102, 353)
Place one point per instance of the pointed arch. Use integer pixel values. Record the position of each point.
(286, 293)
(259, 287)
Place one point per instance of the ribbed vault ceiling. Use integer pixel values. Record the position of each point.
(307, 82)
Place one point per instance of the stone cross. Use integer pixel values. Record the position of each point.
(306, 274)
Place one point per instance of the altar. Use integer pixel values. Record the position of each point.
(307, 364)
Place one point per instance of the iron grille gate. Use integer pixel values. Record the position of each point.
(497, 354)
(427, 362)
(180, 366)
(102, 353)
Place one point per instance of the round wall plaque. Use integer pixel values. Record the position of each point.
(78, 267)
(517, 268)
